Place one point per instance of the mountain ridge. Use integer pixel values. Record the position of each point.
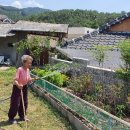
(16, 13)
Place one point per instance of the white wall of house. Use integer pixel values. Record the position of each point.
(75, 32)
(6, 50)
(11, 51)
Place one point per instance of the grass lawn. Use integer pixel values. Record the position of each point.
(41, 114)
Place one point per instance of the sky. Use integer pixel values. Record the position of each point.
(99, 5)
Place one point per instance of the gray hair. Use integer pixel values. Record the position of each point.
(25, 58)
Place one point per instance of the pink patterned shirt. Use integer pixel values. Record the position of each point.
(23, 76)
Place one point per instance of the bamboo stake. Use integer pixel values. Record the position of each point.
(23, 107)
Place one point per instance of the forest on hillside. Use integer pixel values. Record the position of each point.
(77, 18)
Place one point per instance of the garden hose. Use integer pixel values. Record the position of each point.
(4, 99)
(39, 78)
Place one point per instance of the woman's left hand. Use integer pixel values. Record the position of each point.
(37, 78)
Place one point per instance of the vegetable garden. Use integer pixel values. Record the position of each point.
(109, 99)
(83, 88)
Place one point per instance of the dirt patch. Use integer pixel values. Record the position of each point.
(4, 68)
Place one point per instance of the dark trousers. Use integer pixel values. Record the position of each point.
(16, 102)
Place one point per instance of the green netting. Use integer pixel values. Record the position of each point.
(100, 119)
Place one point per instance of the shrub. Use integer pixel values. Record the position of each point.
(120, 110)
(81, 85)
(124, 72)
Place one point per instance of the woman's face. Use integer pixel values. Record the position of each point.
(28, 64)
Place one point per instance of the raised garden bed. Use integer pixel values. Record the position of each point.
(109, 99)
(91, 115)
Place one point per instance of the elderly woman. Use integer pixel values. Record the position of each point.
(21, 80)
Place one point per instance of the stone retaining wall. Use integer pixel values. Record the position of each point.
(99, 75)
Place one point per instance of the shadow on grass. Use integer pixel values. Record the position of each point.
(4, 123)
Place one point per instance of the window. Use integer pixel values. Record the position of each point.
(10, 44)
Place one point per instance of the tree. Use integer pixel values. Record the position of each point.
(124, 72)
(35, 45)
(78, 17)
(99, 54)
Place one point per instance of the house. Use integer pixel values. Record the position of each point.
(4, 19)
(7, 38)
(110, 34)
(74, 32)
(12, 33)
(118, 26)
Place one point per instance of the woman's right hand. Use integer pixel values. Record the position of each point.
(20, 86)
